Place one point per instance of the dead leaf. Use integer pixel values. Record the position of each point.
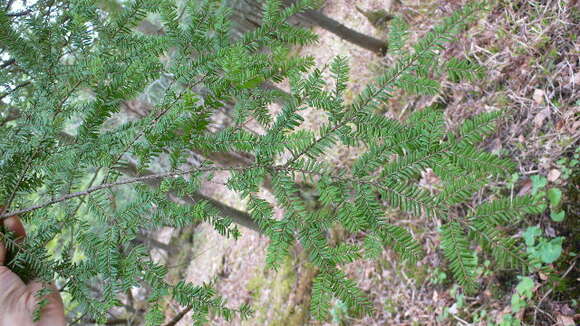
(574, 127)
(540, 117)
(538, 96)
(526, 187)
(560, 124)
(496, 146)
(543, 276)
(565, 320)
(553, 175)
(429, 180)
(520, 314)
(499, 316)
(566, 310)
(453, 309)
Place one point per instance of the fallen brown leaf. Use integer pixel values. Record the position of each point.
(566, 310)
(540, 117)
(525, 188)
(543, 276)
(553, 175)
(538, 96)
(565, 320)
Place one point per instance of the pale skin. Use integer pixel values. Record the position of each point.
(17, 300)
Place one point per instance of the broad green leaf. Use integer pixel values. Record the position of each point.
(558, 217)
(510, 320)
(554, 195)
(525, 287)
(530, 235)
(517, 303)
(550, 251)
(538, 182)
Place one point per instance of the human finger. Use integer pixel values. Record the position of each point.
(52, 314)
(2, 253)
(13, 224)
(10, 283)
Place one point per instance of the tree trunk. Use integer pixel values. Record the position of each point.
(247, 15)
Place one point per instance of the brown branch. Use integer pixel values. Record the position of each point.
(108, 322)
(19, 14)
(130, 169)
(365, 41)
(7, 63)
(8, 5)
(179, 316)
(153, 242)
(14, 89)
(12, 115)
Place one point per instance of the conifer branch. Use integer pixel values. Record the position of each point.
(116, 184)
(6, 207)
(238, 217)
(351, 114)
(428, 205)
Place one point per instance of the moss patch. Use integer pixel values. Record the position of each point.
(281, 298)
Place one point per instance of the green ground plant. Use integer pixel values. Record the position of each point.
(549, 196)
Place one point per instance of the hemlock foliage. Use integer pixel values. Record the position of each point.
(68, 67)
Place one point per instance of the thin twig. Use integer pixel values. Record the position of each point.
(76, 321)
(118, 183)
(463, 322)
(14, 89)
(8, 5)
(550, 291)
(179, 316)
(7, 63)
(10, 116)
(19, 14)
(108, 322)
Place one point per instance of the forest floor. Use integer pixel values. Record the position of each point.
(530, 51)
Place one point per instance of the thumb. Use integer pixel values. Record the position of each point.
(52, 313)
